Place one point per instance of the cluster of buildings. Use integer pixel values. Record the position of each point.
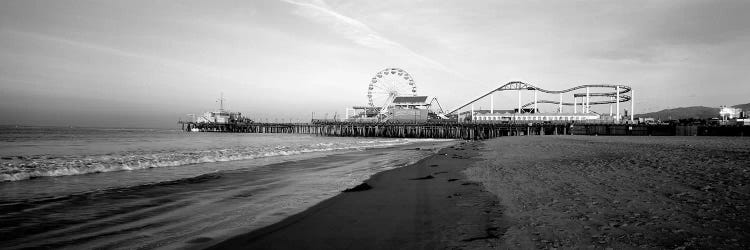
(729, 113)
(402, 108)
(733, 116)
(221, 116)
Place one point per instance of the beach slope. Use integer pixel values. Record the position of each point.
(428, 205)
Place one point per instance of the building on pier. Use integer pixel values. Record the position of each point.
(511, 115)
(402, 108)
(410, 102)
(408, 108)
(728, 113)
(221, 116)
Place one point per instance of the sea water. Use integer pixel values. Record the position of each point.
(157, 188)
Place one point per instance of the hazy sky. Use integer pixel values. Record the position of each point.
(146, 63)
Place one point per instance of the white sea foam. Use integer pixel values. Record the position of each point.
(22, 168)
(288, 176)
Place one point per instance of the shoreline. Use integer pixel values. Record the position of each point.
(429, 204)
(197, 211)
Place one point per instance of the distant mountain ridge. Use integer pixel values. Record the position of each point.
(744, 107)
(697, 112)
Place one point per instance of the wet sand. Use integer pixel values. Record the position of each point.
(587, 192)
(428, 205)
(193, 212)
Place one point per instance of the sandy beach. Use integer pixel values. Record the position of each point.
(428, 205)
(539, 192)
(620, 192)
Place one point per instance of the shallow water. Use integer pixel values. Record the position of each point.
(29, 152)
(261, 179)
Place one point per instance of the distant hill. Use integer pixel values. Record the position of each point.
(744, 107)
(698, 112)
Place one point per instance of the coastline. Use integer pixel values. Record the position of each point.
(429, 204)
(194, 211)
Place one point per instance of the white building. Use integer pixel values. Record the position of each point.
(411, 108)
(729, 112)
(219, 117)
(500, 115)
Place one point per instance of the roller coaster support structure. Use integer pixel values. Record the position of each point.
(618, 103)
(632, 104)
(622, 93)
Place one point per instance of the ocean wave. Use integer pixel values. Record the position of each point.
(24, 168)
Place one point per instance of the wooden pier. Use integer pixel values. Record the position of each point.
(467, 131)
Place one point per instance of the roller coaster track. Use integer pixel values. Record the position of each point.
(516, 85)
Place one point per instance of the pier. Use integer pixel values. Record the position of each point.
(464, 130)
(444, 130)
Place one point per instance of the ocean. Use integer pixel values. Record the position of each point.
(155, 188)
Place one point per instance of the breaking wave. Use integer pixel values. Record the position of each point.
(18, 168)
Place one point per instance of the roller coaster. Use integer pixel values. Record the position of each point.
(618, 94)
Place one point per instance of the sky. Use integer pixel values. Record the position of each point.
(150, 63)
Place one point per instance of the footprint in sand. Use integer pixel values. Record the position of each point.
(424, 178)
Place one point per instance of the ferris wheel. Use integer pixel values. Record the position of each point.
(388, 84)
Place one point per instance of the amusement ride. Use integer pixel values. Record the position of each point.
(388, 84)
(595, 94)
